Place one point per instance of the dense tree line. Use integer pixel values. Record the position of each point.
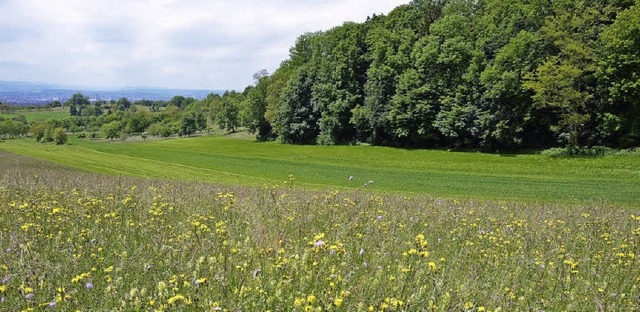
(488, 74)
(482, 74)
(117, 119)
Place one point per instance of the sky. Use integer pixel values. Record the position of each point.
(187, 44)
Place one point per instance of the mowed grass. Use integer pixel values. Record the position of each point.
(612, 179)
(40, 114)
(72, 240)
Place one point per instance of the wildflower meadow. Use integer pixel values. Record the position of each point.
(77, 241)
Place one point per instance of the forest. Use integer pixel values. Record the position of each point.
(488, 75)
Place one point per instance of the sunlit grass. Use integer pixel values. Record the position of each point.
(614, 179)
(71, 240)
(40, 114)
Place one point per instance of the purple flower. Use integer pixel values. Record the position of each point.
(52, 304)
(318, 243)
(5, 280)
(332, 252)
(29, 296)
(89, 285)
(361, 252)
(2, 300)
(379, 218)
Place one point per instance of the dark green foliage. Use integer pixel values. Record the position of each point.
(138, 121)
(112, 130)
(77, 100)
(488, 74)
(619, 76)
(297, 115)
(188, 125)
(123, 104)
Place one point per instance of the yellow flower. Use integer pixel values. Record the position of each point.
(338, 302)
(311, 299)
(432, 266)
(298, 302)
(176, 298)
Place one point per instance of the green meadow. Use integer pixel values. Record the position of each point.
(40, 114)
(525, 177)
(73, 240)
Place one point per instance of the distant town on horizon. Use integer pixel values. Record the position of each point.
(33, 93)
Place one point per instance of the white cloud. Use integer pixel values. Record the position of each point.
(166, 43)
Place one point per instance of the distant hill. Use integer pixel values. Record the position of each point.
(36, 93)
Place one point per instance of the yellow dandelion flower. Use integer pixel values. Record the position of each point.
(311, 299)
(176, 298)
(432, 266)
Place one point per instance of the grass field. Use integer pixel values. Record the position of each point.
(73, 240)
(38, 115)
(612, 179)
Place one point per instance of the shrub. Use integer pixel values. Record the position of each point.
(60, 136)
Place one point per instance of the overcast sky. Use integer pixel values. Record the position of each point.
(195, 44)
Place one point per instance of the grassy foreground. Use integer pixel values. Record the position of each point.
(72, 240)
(612, 179)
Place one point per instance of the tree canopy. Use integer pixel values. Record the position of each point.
(487, 74)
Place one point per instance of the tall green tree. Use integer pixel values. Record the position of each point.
(619, 75)
(297, 117)
(78, 99)
(254, 107)
(227, 113)
(565, 80)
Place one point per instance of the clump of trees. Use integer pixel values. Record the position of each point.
(180, 116)
(14, 127)
(488, 74)
(49, 131)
